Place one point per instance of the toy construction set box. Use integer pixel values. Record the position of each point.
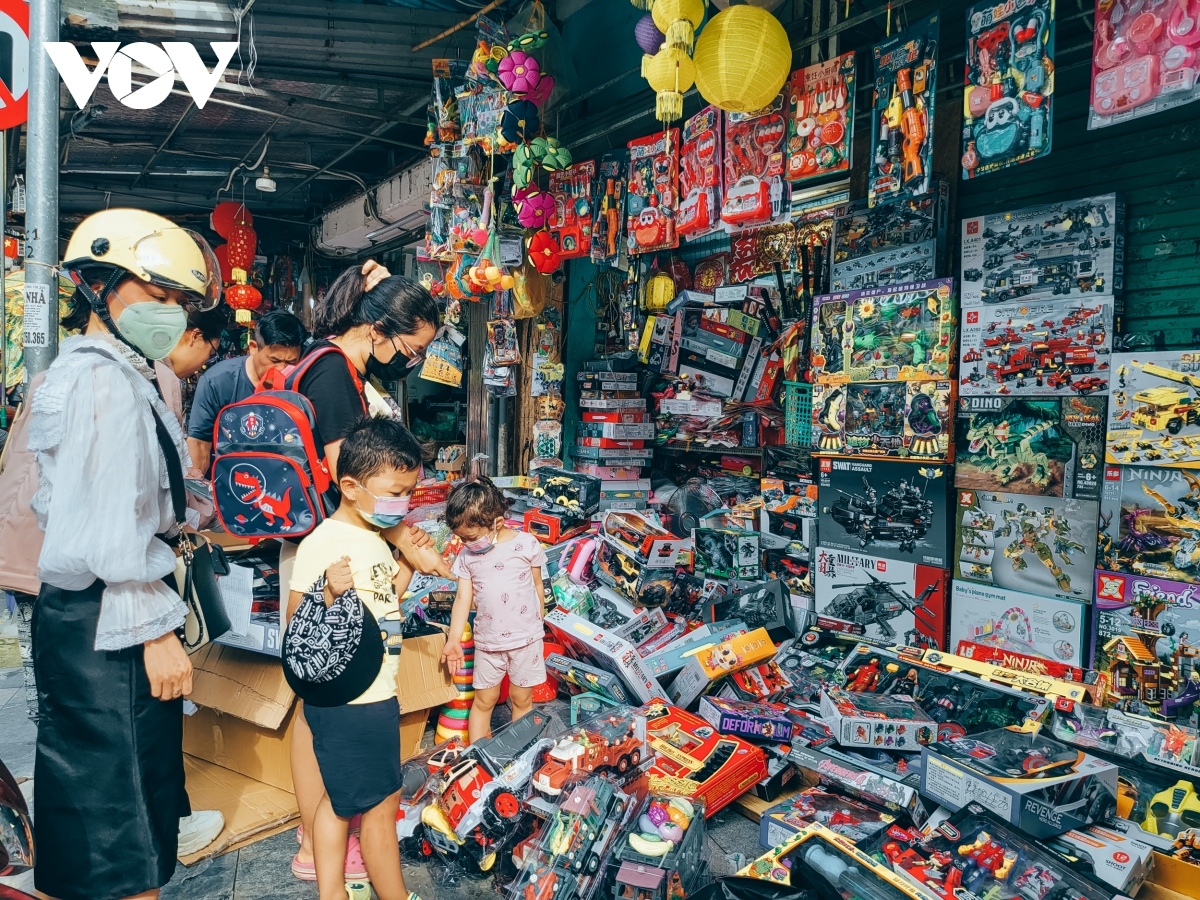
(901, 419)
(760, 604)
(1046, 627)
(1041, 545)
(849, 818)
(1028, 780)
(901, 333)
(1071, 250)
(753, 721)
(1036, 349)
(1024, 445)
(1150, 522)
(891, 509)
(1154, 409)
(893, 600)
(897, 243)
(872, 721)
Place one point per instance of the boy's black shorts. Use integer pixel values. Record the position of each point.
(358, 750)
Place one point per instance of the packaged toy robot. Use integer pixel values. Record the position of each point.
(1154, 409)
(1150, 523)
(901, 419)
(652, 198)
(820, 118)
(726, 552)
(896, 243)
(847, 817)
(1047, 627)
(700, 174)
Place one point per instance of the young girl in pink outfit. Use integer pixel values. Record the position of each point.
(499, 571)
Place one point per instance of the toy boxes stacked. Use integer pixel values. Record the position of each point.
(614, 436)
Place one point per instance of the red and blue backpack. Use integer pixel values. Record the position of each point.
(269, 474)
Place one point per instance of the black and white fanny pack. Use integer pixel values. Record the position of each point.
(331, 654)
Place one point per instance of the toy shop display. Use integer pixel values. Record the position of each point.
(1071, 250)
(894, 510)
(1148, 523)
(614, 743)
(756, 191)
(759, 722)
(1042, 545)
(1037, 349)
(903, 420)
(898, 333)
(1162, 747)
(1028, 780)
(841, 815)
(872, 721)
(762, 683)
(892, 600)
(700, 174)
(1143, 60)
(896, 243)
(1035, 446)
(902, 113)
(587, 678)
(1154, 409)
(664, 857)
(1009, 85)
(820, 108)
(1039, 626)
(605, 651)
(571, 226)
(877, 777)
(652, 193)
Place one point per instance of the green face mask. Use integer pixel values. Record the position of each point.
(154, 328)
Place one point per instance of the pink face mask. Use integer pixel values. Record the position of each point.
(392, 506)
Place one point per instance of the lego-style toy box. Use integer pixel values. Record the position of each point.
(872, 721)
(903, 420)
(726, 553)
(752, 721)
(1046, 627)
(1041, 446)
(1149, 523)
(893, 601)
(718, 661)
(896, 243)
(851, 819)
(1040, 545)
(905, 332)
(886, 508)
(1072, 250)
(1038, 784)
(760, 604)
(1036, 350)
(606, 651)
(1154, 409)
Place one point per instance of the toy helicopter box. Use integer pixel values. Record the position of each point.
(1036, 349)
(1047, 627)
(726, 552)
(606, 651)
(1150, 523)
(1049, 446)
(1071, 250)
(1154, 409)
(900, 333)
(901, 419)
(898, 243)
(845, 816)
(872, 722)
(750, 720)
(1041, 786)
(891, 509)
(895, 601)
(739, 652)
(1041, 545)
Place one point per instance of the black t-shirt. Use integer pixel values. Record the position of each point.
(338, 402)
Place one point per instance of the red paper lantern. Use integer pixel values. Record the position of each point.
(242, 298)
(222, 253)
(228, 214)
(242, 244)
(544, 253)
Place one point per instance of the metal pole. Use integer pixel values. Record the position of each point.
(3, 280)
(41, 204)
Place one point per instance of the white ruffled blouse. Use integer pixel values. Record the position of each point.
(103, 492)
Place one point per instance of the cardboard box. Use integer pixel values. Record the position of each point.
(258, 752)
(605, 650)
(726, 552)
(890, 244)
(1152, 411)
(896, 419)
(641, 539)
(870, 721)
(764, 682)
(1147, 500)
(1115, 858)
(753, 721)
(781, 775)
(588, 678)
(412, 732)
(252, 809)
(723, 659)
(861, 778)
(671, 658)
(422, 681)
(1048, 627)
(760, 604)
(849, 818)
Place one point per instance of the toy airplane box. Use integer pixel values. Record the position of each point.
(714, 663)
(1154, 409)
(905, 332)
(1036, 349)
(1067, 251)
(897, 243)
(1040, 545)
(851, 819)
(1038, 784)
(1149, 521)
(871, 721)
(901, 419)
(1049, 627)
(1042, 446)
(753, 721)
(605, 651)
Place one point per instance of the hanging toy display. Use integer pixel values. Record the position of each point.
(535, 209)
(452, 719)
(544, 253)
(610, 186)
(756, 190)
(820, 118)
(571, 225)
(653, 192)
(700, 174)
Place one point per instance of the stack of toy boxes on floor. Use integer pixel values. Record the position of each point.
(882, 361)
(788, 524)
(614, 435)
(1040, 301)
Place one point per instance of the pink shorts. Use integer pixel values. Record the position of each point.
(525, 666)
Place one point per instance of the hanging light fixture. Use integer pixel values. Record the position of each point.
(265, 182)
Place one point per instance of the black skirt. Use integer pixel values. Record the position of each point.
(358, 751)
(108, 776)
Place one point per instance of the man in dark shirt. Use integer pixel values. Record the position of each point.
(277, 342)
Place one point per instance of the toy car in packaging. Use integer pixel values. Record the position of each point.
(902, 113)
(1031, 445)
(753, 721)
(820, 107)
(890, 509)
(726, 552)
(652, 197)
(587, 678)
(641, 539)
(713, 664)
(872, 721)
(849, 818)
(894, 243)
(883, 778)
(1149, 518)
(1070, 250)
(899, 419)
(1038, 784)
(757, 192)
(760, 604)
(898, 333)
(1142, 64)
(572, 225)
(1049, 627)
(1036, 349)
(893, 600)
(571, 492)
(1116, 859)
(700, 174)
(1040, 545)
(1154, 409)
(639, 584)
(1009, 78)
(615, 742)
(671, 658)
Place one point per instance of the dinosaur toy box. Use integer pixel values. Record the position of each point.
(1154, 409)
(1046, 627)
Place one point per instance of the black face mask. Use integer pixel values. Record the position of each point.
(395, 369)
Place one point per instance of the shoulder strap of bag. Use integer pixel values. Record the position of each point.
(276, 380)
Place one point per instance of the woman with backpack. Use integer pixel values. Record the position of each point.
(373, 324)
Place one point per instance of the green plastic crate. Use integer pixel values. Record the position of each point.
(797, 407)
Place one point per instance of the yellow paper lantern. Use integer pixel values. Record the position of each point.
(742, 59)
(670, 72)
(660, 290)
(678, 21)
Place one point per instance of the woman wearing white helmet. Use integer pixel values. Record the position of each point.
(111, 672)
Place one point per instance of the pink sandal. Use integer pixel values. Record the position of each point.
(355, 870)
(355, 827)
